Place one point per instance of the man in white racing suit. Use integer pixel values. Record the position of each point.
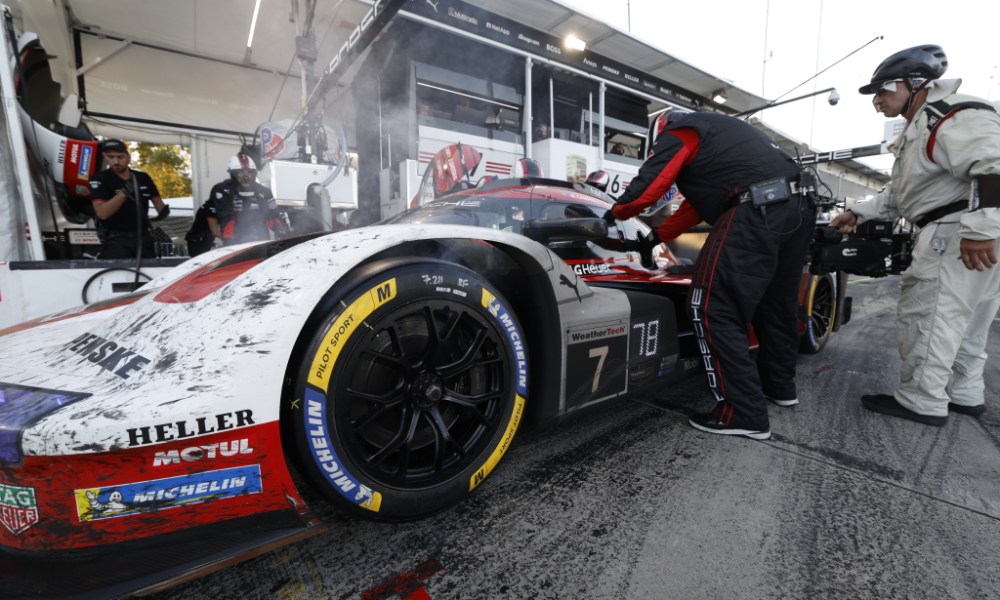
(948, 153)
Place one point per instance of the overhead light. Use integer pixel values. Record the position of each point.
(574, 43)
(253, 23)
(719, 96)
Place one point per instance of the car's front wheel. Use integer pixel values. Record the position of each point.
(410, 390)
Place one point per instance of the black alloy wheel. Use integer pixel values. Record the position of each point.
(411, 390)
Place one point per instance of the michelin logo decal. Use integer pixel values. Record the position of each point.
(146, 496)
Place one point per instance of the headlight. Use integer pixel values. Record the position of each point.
(21, 407)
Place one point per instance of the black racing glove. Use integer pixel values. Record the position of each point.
(162, 214)
(128, 189)
(609, 216)
(644, 246)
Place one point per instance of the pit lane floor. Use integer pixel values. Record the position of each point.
(631, 502)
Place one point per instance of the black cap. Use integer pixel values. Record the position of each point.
(114, 146)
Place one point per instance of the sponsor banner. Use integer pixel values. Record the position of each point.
(466, 17)
(147, 496)
(18, 507)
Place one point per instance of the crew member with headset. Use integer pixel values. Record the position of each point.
(754, 196)
(245, 211)
(121, 198)
(946, 180)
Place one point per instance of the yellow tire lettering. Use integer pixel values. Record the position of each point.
(342, 328)
(515, 419)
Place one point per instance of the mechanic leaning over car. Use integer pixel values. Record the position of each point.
(749, 268)
(945, 180)
(121, 198)
(245, 211)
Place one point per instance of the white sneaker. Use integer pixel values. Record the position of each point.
(790, 402)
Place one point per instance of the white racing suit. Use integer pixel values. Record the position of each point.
(945, 310)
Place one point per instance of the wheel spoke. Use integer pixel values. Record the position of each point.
(442, 439)
(372, 415)
(473, 402)
(403, 435)
(398, 359)
(433, 341)
(387, 399)
(467, 359)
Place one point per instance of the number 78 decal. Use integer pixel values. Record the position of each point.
(648, 344)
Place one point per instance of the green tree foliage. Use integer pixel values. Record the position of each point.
(169, 166)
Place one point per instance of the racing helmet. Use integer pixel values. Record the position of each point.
(660, 123)
(485, 179)
(526, 167)
(927, 62)
(241, 162)
(599, 179)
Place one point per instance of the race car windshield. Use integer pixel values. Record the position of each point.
(477, 211)
(447, 217)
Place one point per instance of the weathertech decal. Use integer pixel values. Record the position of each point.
(18, 508)
(597, 333)
(342, 328)
(147, 496)
(107, 354)
(321, 448)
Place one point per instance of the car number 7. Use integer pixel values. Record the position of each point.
(601, 354)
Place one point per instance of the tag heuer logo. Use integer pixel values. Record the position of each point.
(18, 509)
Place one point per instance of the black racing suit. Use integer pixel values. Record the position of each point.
(749, 269)
(246, 214)
(122, 233)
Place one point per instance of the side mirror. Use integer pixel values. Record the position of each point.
(546, 231)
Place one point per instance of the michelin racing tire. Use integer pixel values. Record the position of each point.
(410, 390)
(820, 313)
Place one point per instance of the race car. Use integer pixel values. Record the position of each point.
(387, 369)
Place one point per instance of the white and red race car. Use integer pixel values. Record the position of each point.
(387, 368)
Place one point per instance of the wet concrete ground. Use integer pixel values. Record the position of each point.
(631, 502)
